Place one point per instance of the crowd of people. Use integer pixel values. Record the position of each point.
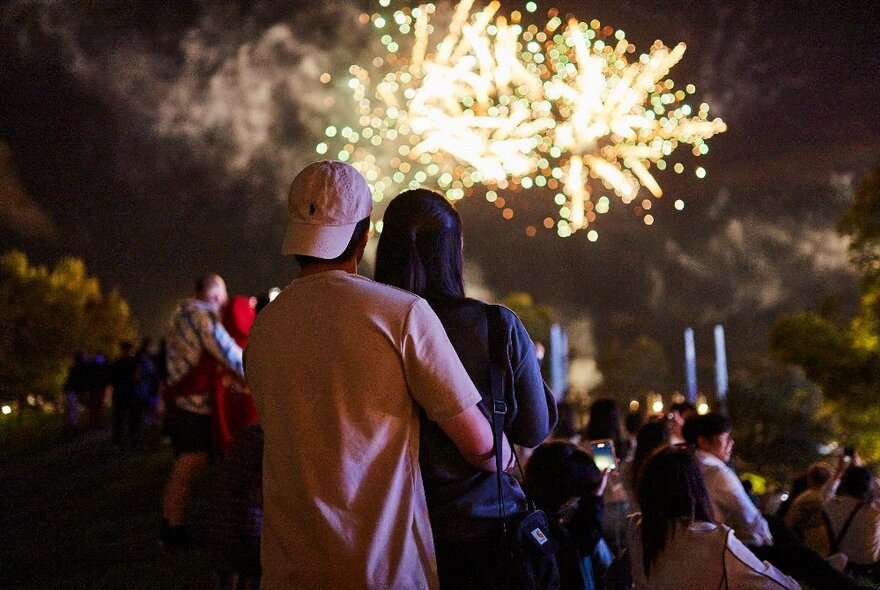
(395, 433)
(133, 379)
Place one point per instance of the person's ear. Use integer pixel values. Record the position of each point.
(359, 253)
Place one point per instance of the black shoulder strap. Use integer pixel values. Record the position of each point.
(499, 406)
(835, 541)
(498, 363)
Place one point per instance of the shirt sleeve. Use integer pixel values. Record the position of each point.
(217, 342)
(229, 348)
(535, 412)
(738, 510)
(434, 374)
(746, 571)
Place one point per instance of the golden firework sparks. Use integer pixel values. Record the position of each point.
(565, 108)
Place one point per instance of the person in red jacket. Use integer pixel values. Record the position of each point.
(233, 405)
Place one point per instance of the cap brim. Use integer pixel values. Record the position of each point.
(318, 241)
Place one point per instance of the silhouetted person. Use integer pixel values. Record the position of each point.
(605, 423)
(128, 409)
(235, 514)
(563, 481)
(147, 383)
(76, 388)
(98, 378)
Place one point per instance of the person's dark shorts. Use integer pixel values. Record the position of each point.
(189, 432)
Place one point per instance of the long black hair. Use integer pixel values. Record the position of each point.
(670, 488)
(654, 434)
(420, 246)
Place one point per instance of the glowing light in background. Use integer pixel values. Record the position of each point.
(567, 108)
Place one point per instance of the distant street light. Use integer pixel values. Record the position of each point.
(702, 406)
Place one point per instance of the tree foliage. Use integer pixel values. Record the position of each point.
(779, 417)
(844, 357)
(824, 349)
(536, 317)
(630, 371)
(861, 222)
(48, 315)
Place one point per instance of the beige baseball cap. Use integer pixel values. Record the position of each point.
(327, 199)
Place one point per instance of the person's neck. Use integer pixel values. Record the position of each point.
(349, 266)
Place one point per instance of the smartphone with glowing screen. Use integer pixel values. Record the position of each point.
(603, 454)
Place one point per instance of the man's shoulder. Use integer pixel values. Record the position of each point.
(355, 293)
(344, 283)
(190, 311)
(711, 465)
(383, 291)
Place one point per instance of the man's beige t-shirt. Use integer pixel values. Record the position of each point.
(337, 364)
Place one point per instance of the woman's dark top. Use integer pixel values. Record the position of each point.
(463, 501)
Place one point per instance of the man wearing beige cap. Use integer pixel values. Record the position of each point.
(340, 367)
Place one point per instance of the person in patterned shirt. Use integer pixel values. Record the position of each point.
(199, 351)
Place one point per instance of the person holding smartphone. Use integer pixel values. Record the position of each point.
(605, 425)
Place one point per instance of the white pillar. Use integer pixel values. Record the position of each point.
(721, 384)
(690, 365)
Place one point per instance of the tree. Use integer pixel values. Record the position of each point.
(537, 318)
(845, 358)
(629, 372)
(824, 349)
(779, 418)
(861, 222)
(46, 316)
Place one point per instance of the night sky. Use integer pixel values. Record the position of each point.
(157, 140)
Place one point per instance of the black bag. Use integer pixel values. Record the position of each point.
(532, 552)
(525, 537)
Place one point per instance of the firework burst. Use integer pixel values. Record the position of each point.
(483, 99)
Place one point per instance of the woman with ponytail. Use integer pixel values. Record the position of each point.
(420, 250)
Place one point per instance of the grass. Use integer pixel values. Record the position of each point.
(27, 433)
(84, 514)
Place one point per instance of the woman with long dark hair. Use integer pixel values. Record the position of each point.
(420, 250)
(654, 434)
(674, 542)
